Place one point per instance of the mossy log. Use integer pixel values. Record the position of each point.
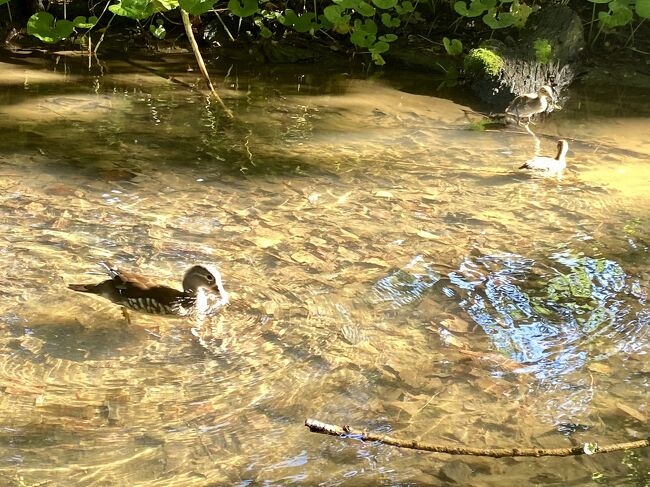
(546, 53)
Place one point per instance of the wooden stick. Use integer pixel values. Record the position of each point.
(199, 61)
(316, 426)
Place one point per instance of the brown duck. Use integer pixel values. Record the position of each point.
(529, 104)
(140, 294)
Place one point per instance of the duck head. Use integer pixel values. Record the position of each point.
(562, 149)
(547, 92)
(204, 277)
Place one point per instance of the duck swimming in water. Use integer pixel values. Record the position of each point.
(529, 104)
(548, 165)
(140, 294)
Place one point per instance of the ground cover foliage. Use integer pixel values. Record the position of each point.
(365, 28)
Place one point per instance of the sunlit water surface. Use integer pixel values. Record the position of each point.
(390, 269)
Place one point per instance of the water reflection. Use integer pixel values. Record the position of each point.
(543, 314)
(388, 269)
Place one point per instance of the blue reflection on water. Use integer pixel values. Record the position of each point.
(551, 317)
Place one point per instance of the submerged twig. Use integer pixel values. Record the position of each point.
(316, 426)
(199, 61)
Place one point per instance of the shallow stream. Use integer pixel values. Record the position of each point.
(389, 266)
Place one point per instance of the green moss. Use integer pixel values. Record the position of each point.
(483, 60)
(543, 50)
(479, 125)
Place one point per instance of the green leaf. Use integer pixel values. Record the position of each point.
(43, 26)
(377, 59)
(333, 14)
(300, 23)
(388, 38)
(368, 26)
(158, 30)
(505, 19)
(365, 9)
(520, 13)
(475, 9)
(364, 34)
(80, 22)
(643, 8)
(618, 15)
(379, 47)
(599, 1)
(406, 8)
(166, 5)
(197, 7)
(385, 4)
(265, 32)
(388, 21)
(243, 8)
(453, 47)
(135, 9)
(347, 3)
(2, 2)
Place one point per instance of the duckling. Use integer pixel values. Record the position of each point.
(548, 165)
(529, 104)
(139, 294)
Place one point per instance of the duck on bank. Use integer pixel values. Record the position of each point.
(527, 105)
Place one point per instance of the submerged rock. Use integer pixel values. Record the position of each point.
(456, 471)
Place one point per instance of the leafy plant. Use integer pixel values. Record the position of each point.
(454, 47)
(642, 8)
(135, 9)
(80, 22)
(243, 8)
(497, 14)
(43, 26)
(158, 29)
(618, 14)
(300, 23)
(195, 7)
(364, 32)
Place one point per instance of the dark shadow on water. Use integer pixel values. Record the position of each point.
(76, 342)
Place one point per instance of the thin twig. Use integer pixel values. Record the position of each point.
(316, 426)
(101, 39)
(224, 26)
(199, 61)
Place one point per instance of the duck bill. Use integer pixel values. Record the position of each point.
(219, 291)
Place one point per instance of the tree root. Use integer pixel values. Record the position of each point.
(199, 61)
(316, 426)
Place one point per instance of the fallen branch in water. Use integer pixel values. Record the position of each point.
(316, 426)
(199, 60)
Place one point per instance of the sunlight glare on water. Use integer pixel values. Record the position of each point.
(388, 268)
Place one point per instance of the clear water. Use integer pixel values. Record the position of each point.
(390, 269)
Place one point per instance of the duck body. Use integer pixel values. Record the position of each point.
(549, 165)
(139, 294)
(529, 104)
